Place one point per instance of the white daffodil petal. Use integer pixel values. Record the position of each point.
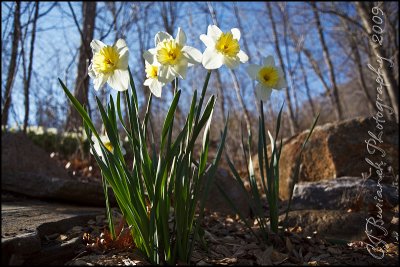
(96, 45)
(97, 149)
(99, 81)
(165, 74)
(161, 36)
(120, 45)
(123, 59)
(281, 83)
(269, 61)
(236, 33)
(253, 70)
(193, 55)
(242, 56)
(147, 82)
(207, 40)
(181, 69)
(231, 62)
(119, 80)
(104, 139)
(155, 88)
(181, 37)
(214, 32)
(148, 57)
(212, 59)
(280, 72)
(263, 93)
(91, 72)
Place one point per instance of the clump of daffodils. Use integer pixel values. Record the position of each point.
(268, 76)
(160, 186)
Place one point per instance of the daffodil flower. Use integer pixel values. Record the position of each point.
(222, 48)
(268, 76)
(106, 141)
(173, 55)
(152, 70)
(110, 64)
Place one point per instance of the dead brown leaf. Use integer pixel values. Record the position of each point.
(264, 257)
(278, 258)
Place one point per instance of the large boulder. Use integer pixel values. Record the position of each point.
(336, 150)
(27, 169)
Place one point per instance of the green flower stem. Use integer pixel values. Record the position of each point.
(203, 93)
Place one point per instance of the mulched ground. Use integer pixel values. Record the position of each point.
(228, 242)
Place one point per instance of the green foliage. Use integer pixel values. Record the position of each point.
(160, 193)
(63, 144)
(269, 174)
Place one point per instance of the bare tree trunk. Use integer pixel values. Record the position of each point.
(291, 70)
(233, 75)
(240, 99)
(13, 64)
(292, 121)
(27, 82)
(328, 62)
(314, 65)
(379, 51)
(221, 97)
(358, 62)
(74, 120)
(308, 91)
(239, 20)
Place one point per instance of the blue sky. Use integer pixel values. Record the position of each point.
(58, 40)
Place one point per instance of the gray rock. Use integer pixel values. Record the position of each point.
(341, 193)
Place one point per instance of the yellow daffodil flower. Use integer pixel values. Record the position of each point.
(110, 64)
(152, 71)
(268, 76)
(222, 48)
(173, 56)
(106, 141)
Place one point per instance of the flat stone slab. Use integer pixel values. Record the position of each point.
(25, 223)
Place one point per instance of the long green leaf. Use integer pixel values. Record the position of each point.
(169, 118)
(79, 108)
